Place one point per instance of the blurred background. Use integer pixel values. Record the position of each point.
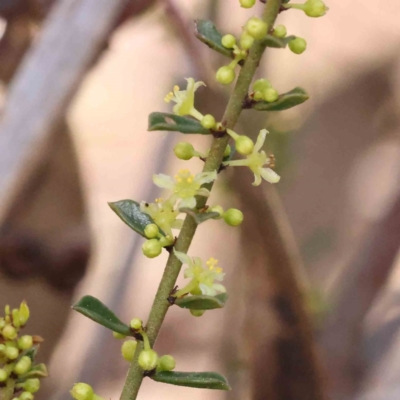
(77, 88)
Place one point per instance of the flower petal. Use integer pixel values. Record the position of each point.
(218, 287)
(177, 224)
(270, 175)
(163, 181)
(203, 192)
(183, 258)
(189, 202)
(260, 140)
(207, 290)
(257, 180)
(206, 177)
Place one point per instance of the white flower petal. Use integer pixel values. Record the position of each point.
(260, 140)
(188, 273)
(163, 181)
(270, 175)
(206, 177)
(207, 290)
(218, 287)
(257, 180)
(183, 258)
(189, 202)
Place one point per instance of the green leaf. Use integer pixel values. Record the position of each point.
(31, 353)
(207, 33)
(159, 121)
(129, 212)
(284, 102)
(37, 371)
(277, 43)
(202, 380)
(202, 302)
(199, 216)
(94, 309)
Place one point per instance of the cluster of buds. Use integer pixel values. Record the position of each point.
(19, 378)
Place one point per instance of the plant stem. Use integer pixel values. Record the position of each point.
(213, 162)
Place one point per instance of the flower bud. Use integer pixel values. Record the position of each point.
(26, 396)
(23, 365)
(298, 45)
(246, 41)
(244, 145)
(228, 41)
(2, 349)
(166, 241)
(225, 75)
(3, 375)
(197, 313)
(166, 363)
(151, 248)
(82, 391)
(118, 335)
(25, 342)
(217, 209)
(233, 217)
(23, 313)
(280, 31)
(128, 349)
(261, 85)
(196, 291)
(32, 385)
(270, 95)
(136, 324)
(315, 8)
(227, 151)
(11, 352)
(184, 151)
(151, 231)
(9, 332)
(257, 96)
(2, 323)
(247, 3)
(148, 359)
(208, 122)
(256, 28)
(15, 318)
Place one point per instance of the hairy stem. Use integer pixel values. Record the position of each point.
(213, 162)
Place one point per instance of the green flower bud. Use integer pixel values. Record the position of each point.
(118, 335)
(184, 151)
(197, 313)
(136, 324)
(315, 8)
(228, 41)
(208, 122)
(233, 217)
(148, 359)
(82, 391)
(15, 318)
(298, 45)
(23, 365)
(32, 385)
(256, 28)
(11, 352)
(217, 209)
(3, 375)
(26, 396)
(166, 241)
(261, 85)
(128, 349)
(258, 95)
(280, 31)
(166, 363)
(23, 313)
(152, 248)
(247, 3)
(9, 332)
(246, 41)
(196, 291)
(225, 75)
(25, 342)
(2, 349)
(270, 95)
(244, 145)
(2, 323)
(227, 151)
(151, 231)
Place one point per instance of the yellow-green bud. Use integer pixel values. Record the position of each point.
(246, 41)
(247, 3)
(151, 231)
(280, 31)
(2, 323)
(118, 335)
(32, 385)
(217, 209)
(151, 248)
(128, 349)
(15, 318)
(197, 313)
(270, 95)
(23, 313)
(23, 365)
(208, 122)
(166, 363)
(166, 240)
(233, 217)
(258, 95)
(228, 41)
(3, 375)
(244, 145)
(11, 352)
(9, 332)
(261, 85)
(184, 151)
(256, 28)
(225, 75)
(136, 324)
(196, 291)
(26, 396)
(2, 349)
(315, 8)
(148, 359)
(25, 342)
(82, 391)
(227, 151)
(298, 45)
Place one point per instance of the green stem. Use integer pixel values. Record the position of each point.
(213, 162)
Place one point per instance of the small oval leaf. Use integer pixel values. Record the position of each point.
(285, 101)
(207, 33)
(94, 309)
(199, 216)
(202, 302)
(202, 380)
(129, 211)
(159, 121)
(277, 43)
